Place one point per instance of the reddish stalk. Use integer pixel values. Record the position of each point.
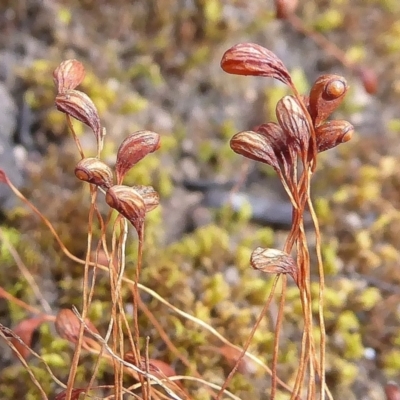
(249, 339)
(78, 348)
(301, 133)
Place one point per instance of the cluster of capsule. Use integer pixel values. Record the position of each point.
(302, 127)
(133, 202)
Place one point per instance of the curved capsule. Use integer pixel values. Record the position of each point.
(253, 59)
(135, 147)
(68, 75)
(150, 196)
(332, 133)
(256, 146)
(273, 261)
(94, 171)
(129, 203)
(326, 95)
(79, 106)
(280, 143)
(293, 122)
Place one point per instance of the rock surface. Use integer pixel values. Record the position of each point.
(8, 159)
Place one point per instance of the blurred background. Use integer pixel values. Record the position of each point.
(155, 64)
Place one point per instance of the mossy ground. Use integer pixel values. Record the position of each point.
(155, 65)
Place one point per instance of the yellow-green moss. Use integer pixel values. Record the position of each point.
(323, 210)
(133, 104)
(368, 298)
(272, 96)
(356, 53)
(12, 236)
(391, 362)
(242, 260)
(347, 321)
(300, 81)
(215, 290)
(330, 257)
(353, 346)
(64, 15)
(347, 372)
(328, 20)
(388, 40)
(256, 290)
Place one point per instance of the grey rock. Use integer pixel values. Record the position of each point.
(264, 211)
(8, 114)
(8, 162)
